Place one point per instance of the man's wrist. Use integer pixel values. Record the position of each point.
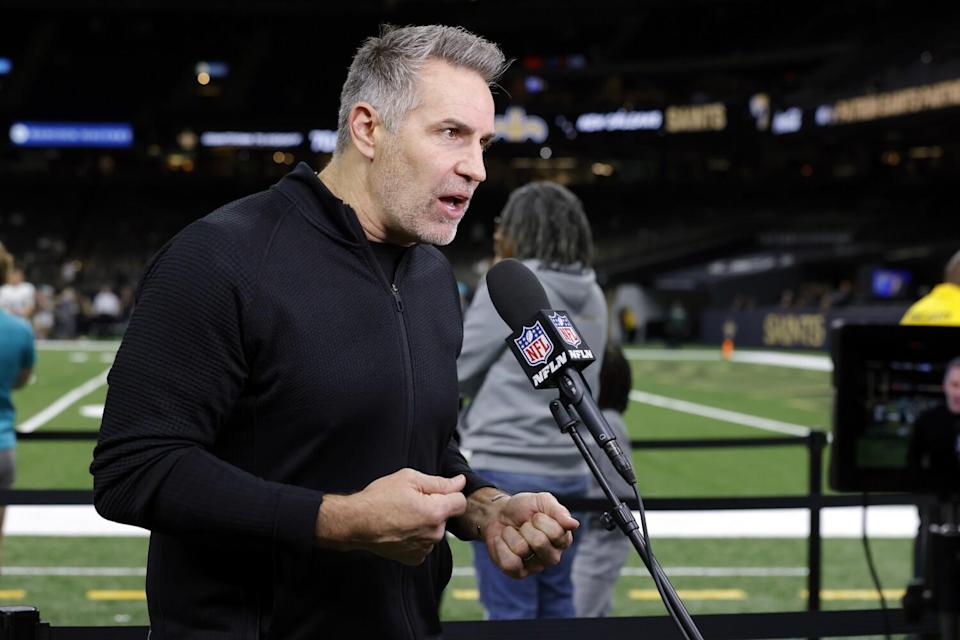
(336, 522)
(483, 506)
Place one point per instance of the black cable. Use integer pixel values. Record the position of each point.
(646, 541)
(873, 569)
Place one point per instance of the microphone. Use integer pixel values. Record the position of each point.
(550, 350)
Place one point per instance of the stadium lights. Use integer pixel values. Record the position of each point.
(6, 66)
(788, 121)
(212, 70)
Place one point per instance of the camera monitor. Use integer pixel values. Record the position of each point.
(896, 417)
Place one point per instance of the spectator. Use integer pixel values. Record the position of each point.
(18, 296)
(106, 312)
(66, 313)
(514, 440)
(942, 305)
(17, 357)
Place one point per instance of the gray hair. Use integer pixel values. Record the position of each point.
(384, 69)
(546, 221)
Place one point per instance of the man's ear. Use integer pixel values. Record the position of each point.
(363, 121)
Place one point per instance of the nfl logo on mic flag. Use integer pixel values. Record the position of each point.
(534, 344)
(565, 327)
(545, 344)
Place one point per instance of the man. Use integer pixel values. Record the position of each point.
(942, 305)
(281, 411)
(934, 450)
(17, 296)
(17, 357)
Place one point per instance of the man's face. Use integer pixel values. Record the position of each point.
(424, 175)
(951, 389)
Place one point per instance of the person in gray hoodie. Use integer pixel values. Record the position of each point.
(507, 427)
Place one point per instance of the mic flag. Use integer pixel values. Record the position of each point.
(544, 340)
(546, 343)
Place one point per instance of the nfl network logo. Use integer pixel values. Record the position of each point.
(534, 344)
(565, 327)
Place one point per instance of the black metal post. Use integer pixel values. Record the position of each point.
(817, 443)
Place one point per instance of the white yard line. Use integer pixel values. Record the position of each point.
(74, 571)
(771, 358)
(835, 522)
(62, 403)
(76, 345)
(725, 415)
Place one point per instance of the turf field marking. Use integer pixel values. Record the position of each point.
(725, 415)
(724, 572)
(770, 358)
(690, 594)
(76, 345)
(94, 411)
(74, 571)
(12, 594)
(60, 404)
(857, 594)
(117, 594)
(465, 594)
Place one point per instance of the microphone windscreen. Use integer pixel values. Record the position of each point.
(516, 293)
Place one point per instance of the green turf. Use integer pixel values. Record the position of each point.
(801, 397)
(63, 601)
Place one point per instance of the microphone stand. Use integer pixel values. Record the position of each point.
(623, 517)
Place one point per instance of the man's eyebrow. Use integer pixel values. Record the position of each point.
(463, 126)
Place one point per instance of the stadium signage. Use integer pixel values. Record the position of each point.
(516, 125)
(795, 330)
(103, 135)
(929, 97)
(258, 139)
(621, 120)
(705, 117)
(322, 140)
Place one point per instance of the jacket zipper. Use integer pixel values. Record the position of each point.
(408, 431)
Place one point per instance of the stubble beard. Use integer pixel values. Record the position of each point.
(405, 213)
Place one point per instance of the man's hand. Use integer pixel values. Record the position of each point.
(399, 516)
(524, 534)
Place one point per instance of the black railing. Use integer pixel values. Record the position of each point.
(834, 623)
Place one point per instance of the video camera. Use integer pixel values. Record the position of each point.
(889, 384)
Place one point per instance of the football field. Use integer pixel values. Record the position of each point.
(720, 562)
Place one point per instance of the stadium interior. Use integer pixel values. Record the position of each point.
(751, 170)
(718, 160)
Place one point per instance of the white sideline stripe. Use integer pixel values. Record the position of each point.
(835, 522)
(725, 415)
(771, 358)
(61, 403)
(76, 345)
(74, 571)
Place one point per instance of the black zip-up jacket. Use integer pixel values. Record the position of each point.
(270, 360)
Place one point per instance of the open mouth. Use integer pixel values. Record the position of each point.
(455, 204)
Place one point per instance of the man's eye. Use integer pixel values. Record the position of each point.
(450, 132)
